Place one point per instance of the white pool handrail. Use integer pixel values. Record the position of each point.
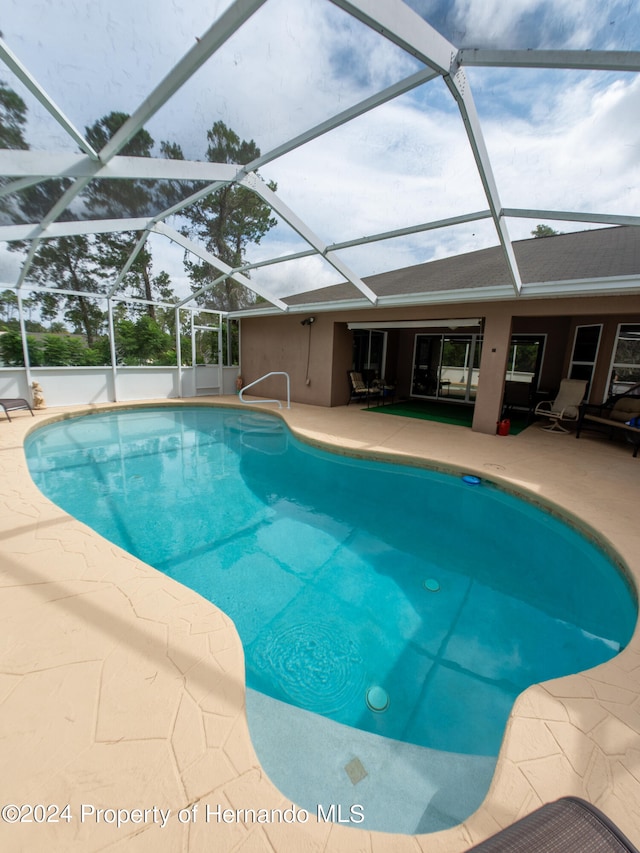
(266, 376)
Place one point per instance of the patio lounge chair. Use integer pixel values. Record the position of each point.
(9, 404)
(360, 390)
(568, 825)
(375, 389)
(619, 415)
(565, 407)
(357, 387)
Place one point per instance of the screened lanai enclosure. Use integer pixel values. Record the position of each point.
(168, 167)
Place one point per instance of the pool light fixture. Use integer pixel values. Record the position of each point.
(377, 699)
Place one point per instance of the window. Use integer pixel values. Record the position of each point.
(585, 353)
(625, 368)
(525, 358)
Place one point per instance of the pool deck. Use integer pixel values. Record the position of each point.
(121, 689)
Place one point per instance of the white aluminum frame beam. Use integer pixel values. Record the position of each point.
(414, 324)
(419, 78)
(12, 233)
(397, 22)
(405, 28)
(392, 19)
(462, 93)
(128, 263)
(571, 216)
(585, 60)
(12, 62)
(231, 20)
(391, 92)
(374, 238)
(226, 270)
(254, 183)
(47, 164)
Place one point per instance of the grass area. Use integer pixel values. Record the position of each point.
(457, 414)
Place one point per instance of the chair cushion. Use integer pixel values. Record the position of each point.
(625, 409)
(357, 382)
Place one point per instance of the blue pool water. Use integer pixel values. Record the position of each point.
(343, 574)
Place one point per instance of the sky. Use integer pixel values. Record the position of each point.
(567, 140)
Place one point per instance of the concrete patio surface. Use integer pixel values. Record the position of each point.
(122, 692)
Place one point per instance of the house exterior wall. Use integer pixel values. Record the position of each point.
(341, 356)
(493, 367)
(610, 323)
(280, 342)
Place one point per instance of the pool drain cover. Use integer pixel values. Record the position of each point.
(431, 584)
(377, 699)
(355, 771)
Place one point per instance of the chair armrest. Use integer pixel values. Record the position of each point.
(598, 409)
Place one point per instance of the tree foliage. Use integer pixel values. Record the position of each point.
(13, 119)
(73, 263)
(129, 199)
(143, 342)
(544, 231)
(226, 222)
(8, 305)
(91, 263)
(52, 350)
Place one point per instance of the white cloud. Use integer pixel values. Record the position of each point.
(581, 155)
(581, 24)
(384, 171)
(296, 276)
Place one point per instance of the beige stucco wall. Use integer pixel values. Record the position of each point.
(281, 343)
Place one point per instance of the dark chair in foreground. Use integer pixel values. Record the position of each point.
(10, 404)
(615, 416)
(569, 825)
(565, 407)
(517, 395)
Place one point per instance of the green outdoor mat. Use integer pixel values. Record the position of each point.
(446, 413)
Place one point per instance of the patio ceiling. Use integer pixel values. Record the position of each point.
(423, 59)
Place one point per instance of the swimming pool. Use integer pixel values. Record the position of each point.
(324, 563)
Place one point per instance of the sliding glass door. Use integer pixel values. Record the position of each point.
(446, 365)
(370, 353)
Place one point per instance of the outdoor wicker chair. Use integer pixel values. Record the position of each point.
(568, 825)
